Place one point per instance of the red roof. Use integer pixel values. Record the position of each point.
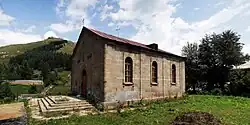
(126, 41)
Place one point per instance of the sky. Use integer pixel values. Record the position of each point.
(169, 23)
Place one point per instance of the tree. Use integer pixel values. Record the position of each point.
(45, 73)
(25, 70)
(218, 53)
(5, 91)
(190, 51)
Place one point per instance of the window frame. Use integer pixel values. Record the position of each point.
(154, 73)
(173, 74)
(128, 71)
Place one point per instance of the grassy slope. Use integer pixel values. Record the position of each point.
(17, 49)
(231, 110)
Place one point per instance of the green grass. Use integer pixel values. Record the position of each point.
(59, 90)
(63, 78)
(23, 89)
(231, 111)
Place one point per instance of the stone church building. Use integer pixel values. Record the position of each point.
(109, 69)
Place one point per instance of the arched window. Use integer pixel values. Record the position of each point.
(173, 73)
(128, 70)
(154, 72)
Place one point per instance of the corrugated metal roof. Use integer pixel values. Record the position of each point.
(130, 42)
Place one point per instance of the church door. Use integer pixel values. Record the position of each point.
(84, 83)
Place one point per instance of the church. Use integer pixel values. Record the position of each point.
(110, 69)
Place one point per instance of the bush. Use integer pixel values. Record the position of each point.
(216, 91)
(5, 91)
(32, 89)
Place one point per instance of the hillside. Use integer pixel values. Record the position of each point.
(6, 52)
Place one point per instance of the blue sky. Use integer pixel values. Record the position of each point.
(170, 23)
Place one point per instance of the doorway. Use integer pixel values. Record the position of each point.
(84, 83)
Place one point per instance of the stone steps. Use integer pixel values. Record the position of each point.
(46, 105)
(53, 103)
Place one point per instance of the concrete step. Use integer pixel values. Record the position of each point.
(41, 106)
(73, 104)
(65, 107)
(67, 102)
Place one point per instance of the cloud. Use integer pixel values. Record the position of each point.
(75, 11)
(30, 29)
(5, 19)
(154, 22)
(111, 24)
(63, 27)
(104, 11)
(248, 29)
(196, 8)
(50, 34)
(12, 37)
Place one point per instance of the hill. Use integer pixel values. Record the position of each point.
(6, 52)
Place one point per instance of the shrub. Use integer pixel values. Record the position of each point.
(32, 89)
(216, 91)
(5, 91)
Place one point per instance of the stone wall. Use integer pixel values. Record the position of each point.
(116, 90)
(89, 56)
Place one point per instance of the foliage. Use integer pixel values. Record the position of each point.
(32, 89)
(230, 110)
(39, 60)
(239, 83)
(210, 65)
(5, 91)
(190, 51)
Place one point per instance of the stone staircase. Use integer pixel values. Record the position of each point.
(51, 104)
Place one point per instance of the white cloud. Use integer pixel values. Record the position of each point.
(60, 6)
(111, 24)
(196, 8)
(248, 29)
(104, 11)
(74, 11)
(50, 34)
(77, 8)
(5, 19)
(11, 37)
(30, 29)
(154, 22)
(62, 27)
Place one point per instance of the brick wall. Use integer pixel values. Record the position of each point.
(89, 56)
(114, 87)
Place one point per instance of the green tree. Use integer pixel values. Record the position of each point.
(45, 73)
(190, 51)
(218, 53)
(25, 70)
(5, 91)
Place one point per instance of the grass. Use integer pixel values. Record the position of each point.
(22, 89)
(59, 90)
(231, 111)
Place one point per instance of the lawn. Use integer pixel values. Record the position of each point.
(231, 111)
(23, 89)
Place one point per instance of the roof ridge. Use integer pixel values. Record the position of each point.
(127, 41)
